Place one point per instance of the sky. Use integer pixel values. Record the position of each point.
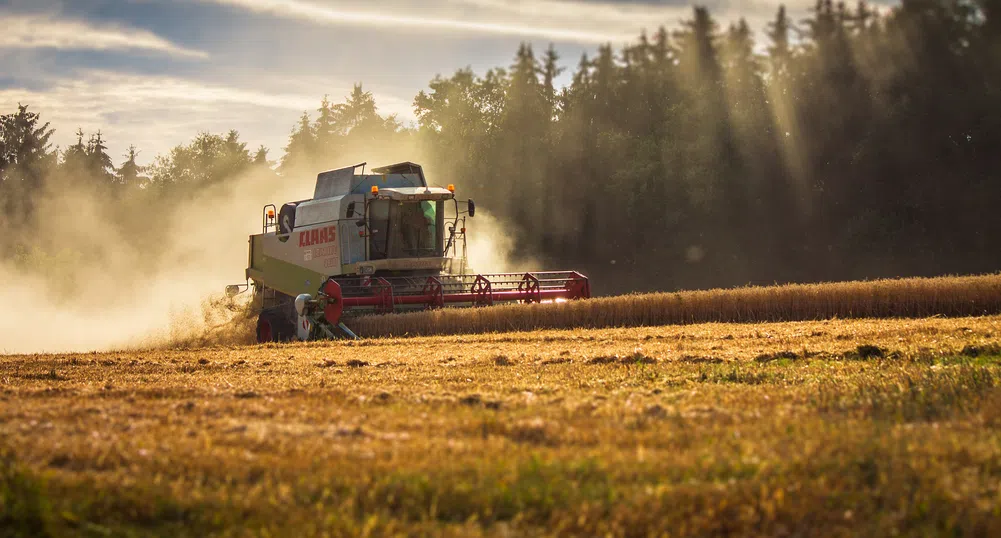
(154, 73)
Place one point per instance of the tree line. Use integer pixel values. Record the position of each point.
(851, 144)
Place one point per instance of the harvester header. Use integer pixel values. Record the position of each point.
(376, 243)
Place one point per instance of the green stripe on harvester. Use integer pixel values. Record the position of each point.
(286, 277)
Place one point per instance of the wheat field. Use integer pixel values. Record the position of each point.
(815, 428)
(896, 298)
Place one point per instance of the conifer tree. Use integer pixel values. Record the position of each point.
(26, 157)
(780, 50)
(130, 173)
(301, 147)
(261, 157)
(99, 163)
(74, 158)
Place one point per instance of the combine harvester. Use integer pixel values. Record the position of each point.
(375, 244)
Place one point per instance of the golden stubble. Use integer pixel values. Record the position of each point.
(651, 416)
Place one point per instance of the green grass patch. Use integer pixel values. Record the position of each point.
(24, 508)
(926, 395)
(735, 375)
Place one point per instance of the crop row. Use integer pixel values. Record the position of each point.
(892, 298)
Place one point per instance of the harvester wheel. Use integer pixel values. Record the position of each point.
(272, 327)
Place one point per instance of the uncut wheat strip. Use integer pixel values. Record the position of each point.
(750, 304)
(912, 297)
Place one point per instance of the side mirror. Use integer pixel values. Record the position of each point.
(351, 210)
(360, 223)
(472, 208)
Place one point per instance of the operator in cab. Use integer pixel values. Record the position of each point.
(418, 227)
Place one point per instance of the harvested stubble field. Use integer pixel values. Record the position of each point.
(786, 429)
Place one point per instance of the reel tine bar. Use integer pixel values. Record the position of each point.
(482, 290)
(383, 295)
(435, 293)
(529, 286)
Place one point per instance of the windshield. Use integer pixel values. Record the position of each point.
(404, 229)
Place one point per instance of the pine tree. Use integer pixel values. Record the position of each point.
(358, 118)
(358, 109)
(550, 71)
(130, 173)
(605, 77)
(26, 158)
(582, 74)
(327, 129)
(739, 50)
(261, 157)
(697, 42)
(99, 163)
(301, 148)
(780, 51)
(234, 158)
(25, 151)
(706, 118)
(74, 159)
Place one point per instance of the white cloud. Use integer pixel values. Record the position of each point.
(552, 21)
(567, 21)
(46, 31)
(158, 112)
(626, 17)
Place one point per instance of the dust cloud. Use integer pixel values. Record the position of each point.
(96, 274)
(492, 248)
(94, 279)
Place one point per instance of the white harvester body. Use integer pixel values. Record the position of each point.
(375, 243)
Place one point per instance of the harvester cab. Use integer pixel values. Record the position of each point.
(375, 243)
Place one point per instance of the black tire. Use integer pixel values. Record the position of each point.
(274, 327)
(286, 220)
